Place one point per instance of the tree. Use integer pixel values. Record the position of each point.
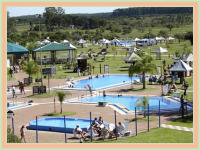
(61, 97)
(179, 36)
(170, 26)
(130, 74)
(143, 66)
(11, 25)
(143, 102)
(189, 36)
(31, 67)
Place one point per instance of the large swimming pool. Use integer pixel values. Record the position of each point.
(130, 102)
(57, 124)
(106, 81)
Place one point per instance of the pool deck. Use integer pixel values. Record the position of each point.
(45, 105)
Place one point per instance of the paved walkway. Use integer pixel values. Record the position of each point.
(177, 127)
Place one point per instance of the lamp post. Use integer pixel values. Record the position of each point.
(39, 17)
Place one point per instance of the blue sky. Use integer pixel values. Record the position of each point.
(19, 11)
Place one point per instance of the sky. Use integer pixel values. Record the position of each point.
(20, 11)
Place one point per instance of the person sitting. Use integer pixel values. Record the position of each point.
(120, 129)
(79, 131)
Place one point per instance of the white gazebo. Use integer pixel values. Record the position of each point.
(104, 42)
(82, 42)
(160, 50)
(65, 41)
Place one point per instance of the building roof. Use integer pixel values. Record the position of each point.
(133, 57)
(180, 66)
(56, 47)
(188, 58)
(15, 49)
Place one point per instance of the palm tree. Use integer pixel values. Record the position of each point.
(130, 74)
(143, 66)
(143, 102)
(30, 67)
(61, 96)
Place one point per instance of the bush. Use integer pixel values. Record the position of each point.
(11, 138)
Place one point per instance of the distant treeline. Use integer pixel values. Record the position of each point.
(141, 11)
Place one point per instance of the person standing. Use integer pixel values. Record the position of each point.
(13, 91)
(22, 133)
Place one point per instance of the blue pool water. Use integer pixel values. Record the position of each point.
(130, 102)
(57, 124)
(105, 82)
(12, 106)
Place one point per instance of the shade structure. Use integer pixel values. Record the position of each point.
(170, 38)
(116, 40)
(16, 49)
(65, 41)
(81, 41)
(188, 58)
(161, 50)
(137, 39)
(180, 66)
(46, 41)
(132, 58)
(104, 41)
(55, 47)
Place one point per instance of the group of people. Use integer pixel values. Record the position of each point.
(152, 79)
(21, 88)
(98, 126)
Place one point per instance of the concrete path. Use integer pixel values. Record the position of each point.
(177, 127)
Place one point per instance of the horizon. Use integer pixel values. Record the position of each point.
(24, 11)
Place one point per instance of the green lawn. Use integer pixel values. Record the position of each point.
(59, 114)
(186, 122)
(159, 135)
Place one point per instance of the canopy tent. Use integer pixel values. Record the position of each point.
(15, 49)
(53, 47)
(137, 39)
(188, 58)
(132, 58)
(161, 50)
(170, 38)
(104, 41)
(65, 41)
(116, 42)
(46, 41)
(180, 66)
(81, 41)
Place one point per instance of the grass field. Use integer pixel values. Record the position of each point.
(159, 135)
(186, 122)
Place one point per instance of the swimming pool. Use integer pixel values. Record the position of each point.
(57, 124)
(11, 106)
(105, 82)
(130, 102)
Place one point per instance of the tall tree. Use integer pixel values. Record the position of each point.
(143, 66)
(31, 67)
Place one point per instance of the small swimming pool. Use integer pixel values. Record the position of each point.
(57, 124)
(11, 106)
(130, 102)
(106, 81)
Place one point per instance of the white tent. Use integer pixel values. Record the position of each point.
(81, 41)
(188, 58)
(137, 39)
(72, 46)
(161, 50)
(104, 41)
(54, 42)
(115, 40)
(46, 41)
(65, 41)
(170, 38)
